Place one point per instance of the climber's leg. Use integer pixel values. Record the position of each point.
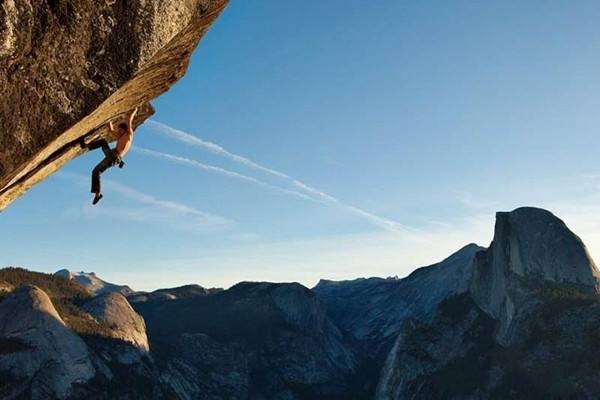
(109, 161)
(99, 169)
(101, 143)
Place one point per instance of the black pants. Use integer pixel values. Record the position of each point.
(111, 158)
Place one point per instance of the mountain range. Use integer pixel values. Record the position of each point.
(518, 319)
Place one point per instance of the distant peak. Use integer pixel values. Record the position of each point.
(532, 249)
(323, 282)
(527, 214)
(92, 282)
(471, 247)
(466, 249)
(63, 273)
(534, 242)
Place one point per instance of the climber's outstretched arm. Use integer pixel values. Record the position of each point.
(130, 122)
(111, 128)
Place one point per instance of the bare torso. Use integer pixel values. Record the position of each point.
(124, 144)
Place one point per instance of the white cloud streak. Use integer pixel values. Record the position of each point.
(219, 170)
(154, 209)
(314, 193)
(214, 148)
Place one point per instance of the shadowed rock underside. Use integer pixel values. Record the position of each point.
(67, 68)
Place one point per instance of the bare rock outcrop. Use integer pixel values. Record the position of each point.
(125, 324)
(532, 251)
(93, 283)
(5, 287)
(68, 67)
(46, 358)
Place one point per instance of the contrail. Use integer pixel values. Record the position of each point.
(212, 147)
(219, 170)
(314, 193)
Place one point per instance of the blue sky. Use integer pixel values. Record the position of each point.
(411, 123)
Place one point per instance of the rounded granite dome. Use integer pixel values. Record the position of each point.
(537, 244)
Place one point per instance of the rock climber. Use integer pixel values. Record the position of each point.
(124, 136)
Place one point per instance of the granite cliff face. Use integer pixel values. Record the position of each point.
(457, 355)
(46, 358)
(125, 324)
(532, 250)
(446, 358)
(67, 68)
(374, 309)
(58, 342)
(526, 328)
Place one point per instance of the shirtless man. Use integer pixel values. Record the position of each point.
(112, 157)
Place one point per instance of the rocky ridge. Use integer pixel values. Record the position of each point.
(256, 339)
(375, 308)
(91, 282)
(438, 333)
(181, 292)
